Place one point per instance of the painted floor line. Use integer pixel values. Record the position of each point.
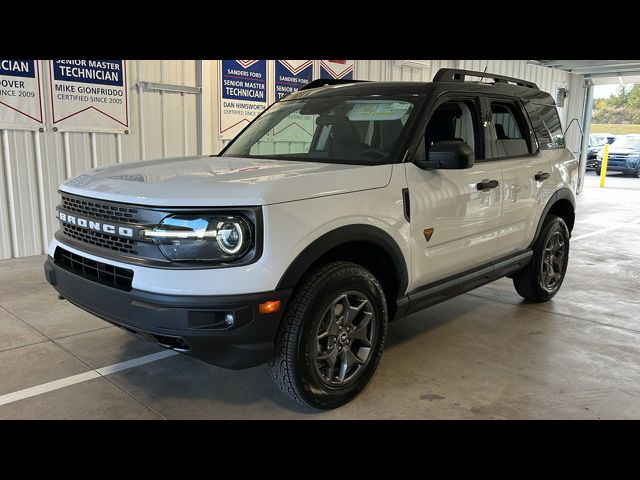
(83, 377)
(599, 232)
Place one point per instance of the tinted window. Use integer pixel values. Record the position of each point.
(504, 121)
(546, 124)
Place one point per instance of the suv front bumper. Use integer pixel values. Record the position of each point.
(190, 324)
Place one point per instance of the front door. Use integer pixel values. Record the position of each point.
(455, 214)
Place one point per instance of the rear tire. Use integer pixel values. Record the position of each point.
(332, 336)
(542, 278)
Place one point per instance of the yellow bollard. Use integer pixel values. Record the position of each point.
(603, 167)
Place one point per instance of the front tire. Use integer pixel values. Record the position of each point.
(542, 278)
(332, 336)
(598, 171)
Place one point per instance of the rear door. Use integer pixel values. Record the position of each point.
(525, 171)
(454, 219)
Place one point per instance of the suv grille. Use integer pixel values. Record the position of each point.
(109, 275)
(96, 209)
(100, 239)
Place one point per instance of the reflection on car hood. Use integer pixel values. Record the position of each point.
(223, 181)
(623, 151)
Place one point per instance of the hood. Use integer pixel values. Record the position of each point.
(622, 151)
(223, 181)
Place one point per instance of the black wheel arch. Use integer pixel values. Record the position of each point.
(563, 204)
(366, 245)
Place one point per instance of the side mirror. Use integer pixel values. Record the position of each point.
(448, 155)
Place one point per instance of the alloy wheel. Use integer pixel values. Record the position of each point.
(344, 339)
(553, 259)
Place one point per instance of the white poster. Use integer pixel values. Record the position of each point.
(89, 95)
(20, 95)
(243, 94)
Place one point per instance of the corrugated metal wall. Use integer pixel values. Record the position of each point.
(33, 164)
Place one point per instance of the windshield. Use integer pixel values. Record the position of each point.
(597, 140)
(353, 130)
(627, 142)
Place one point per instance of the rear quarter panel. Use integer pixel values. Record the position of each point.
(564, 169)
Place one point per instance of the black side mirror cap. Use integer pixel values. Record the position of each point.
(449, 155)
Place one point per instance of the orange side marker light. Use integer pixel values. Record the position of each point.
(269, 307)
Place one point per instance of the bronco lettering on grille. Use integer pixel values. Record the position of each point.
(97, 226)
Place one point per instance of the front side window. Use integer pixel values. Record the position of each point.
(453, 120)
(352, 130)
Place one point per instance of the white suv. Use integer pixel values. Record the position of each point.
(340, 208)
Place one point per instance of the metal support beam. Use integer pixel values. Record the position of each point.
(606, 68)
(586, 124)
(614, 73)
(199, 108)
(570, 64)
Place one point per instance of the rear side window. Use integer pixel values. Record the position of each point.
(510, 128)
(546, 124)
(504, 121)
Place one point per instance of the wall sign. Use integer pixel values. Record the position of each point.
(291, 75)
(20, 95)
(338, 69)
(243, 94)
(89, 95)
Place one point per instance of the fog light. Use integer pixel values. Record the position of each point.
(230, 319)
(269, 307)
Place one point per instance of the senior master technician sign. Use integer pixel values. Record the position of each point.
(89, 95)
(243, 94)
(20, 99)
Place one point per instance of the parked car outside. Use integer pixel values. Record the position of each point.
(624, 156)
(597, 141)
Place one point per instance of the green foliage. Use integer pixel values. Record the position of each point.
(623, 107)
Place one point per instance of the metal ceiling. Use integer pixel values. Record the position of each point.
(594, 68)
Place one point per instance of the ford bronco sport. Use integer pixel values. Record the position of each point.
(340, 208)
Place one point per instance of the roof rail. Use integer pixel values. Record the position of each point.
(323, 82)
(456, 75)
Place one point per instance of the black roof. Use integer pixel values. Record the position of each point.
(423, 88)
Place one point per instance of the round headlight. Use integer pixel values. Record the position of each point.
(194, 237)
(230, 237)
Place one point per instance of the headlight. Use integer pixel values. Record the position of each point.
(212, 238)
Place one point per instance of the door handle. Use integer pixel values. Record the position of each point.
(487, 184)
(540, 176)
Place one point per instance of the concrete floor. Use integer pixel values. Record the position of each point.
(483, 355)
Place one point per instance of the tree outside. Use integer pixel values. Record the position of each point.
(623, 107)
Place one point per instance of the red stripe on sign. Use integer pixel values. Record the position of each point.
(331, 72)
(342, 62)
(295, 71)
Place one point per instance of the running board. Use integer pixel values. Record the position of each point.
(447, 288)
